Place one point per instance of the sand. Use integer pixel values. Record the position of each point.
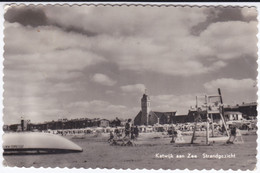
(99, 154)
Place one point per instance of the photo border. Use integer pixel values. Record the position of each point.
(59, 170)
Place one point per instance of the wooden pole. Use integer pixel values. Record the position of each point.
(147, 120)
(207, 132)
(219, 93)
(194, 130)
(207, 123)
(212, 125)
(222, 112)
(197, 102)
(196, 120)
(224, 123)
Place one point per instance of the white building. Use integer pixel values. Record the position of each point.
(233, 115)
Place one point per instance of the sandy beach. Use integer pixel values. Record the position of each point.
(155, 154)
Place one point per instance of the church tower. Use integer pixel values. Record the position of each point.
(145, 105)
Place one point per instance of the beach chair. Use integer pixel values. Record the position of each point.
(239, 138)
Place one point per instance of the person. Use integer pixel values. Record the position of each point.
(117, 133)
(132, 133)
(174, 135)
(111, 137)
(136, 131)
(127, 128)
(233, 133)
(117, 122)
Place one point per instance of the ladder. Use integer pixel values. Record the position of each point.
(210, 110)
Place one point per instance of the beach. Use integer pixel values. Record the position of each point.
(155, 154)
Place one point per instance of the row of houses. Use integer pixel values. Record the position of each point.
(78, 123)
(145, 117)
(171, 118)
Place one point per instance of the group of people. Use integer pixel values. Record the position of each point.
(131, 132)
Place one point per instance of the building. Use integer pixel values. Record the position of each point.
(181, 119)
(104, 123)
(148, 117)
(232, 115)
(249, 110)
(14, 127)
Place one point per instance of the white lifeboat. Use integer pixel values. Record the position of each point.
(37, 143)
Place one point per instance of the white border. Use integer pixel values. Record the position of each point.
(67, 170)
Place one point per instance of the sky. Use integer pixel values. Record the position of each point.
(97, 61)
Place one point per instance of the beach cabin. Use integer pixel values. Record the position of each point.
(233, 116)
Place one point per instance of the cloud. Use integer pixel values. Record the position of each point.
(53, 61)
(249, 12)
(26, 39)
(169, 103)
(36, 64)
(226, 43)
(231, 85)
(105, 19)
(26, 15)
(225, 14)
(103, 79)
(206, 53)
(148, 37)
(168, 38)
(136, 88)
(98, 108)
(164, 46)
(40, 74)
(110, 92)
(234, 91)
(34, 108)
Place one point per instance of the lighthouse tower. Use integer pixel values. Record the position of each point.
(145, 105)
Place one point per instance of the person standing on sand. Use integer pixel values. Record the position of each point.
(132, 133)
(233, 134)
(127, 128)
(174, 135)
(111, 137)
(117, 133)
(136, 132)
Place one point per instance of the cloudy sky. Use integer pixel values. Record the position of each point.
(88, 61)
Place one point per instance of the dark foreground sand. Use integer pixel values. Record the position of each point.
(99, 154)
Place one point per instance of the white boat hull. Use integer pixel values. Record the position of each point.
(37, 143)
